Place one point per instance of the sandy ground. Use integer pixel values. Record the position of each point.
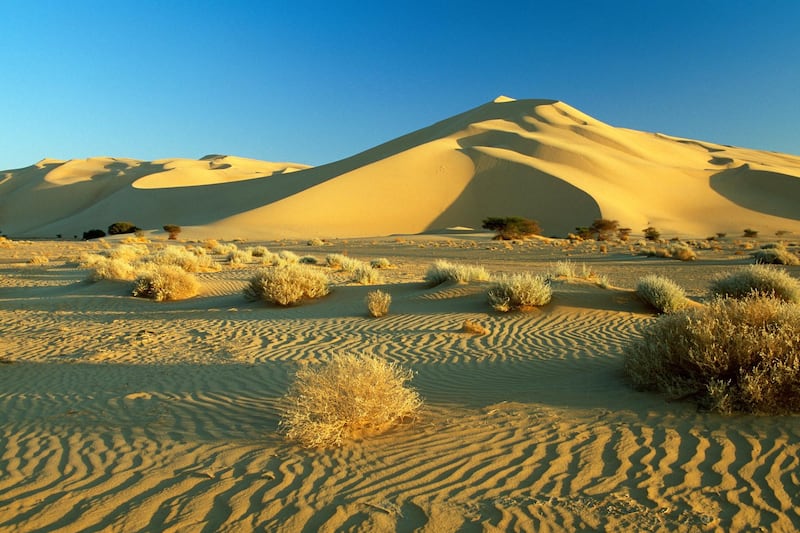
(122, 414)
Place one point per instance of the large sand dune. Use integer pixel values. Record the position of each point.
(536, 158)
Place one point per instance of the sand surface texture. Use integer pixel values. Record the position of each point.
(123, 414)
(541, 159)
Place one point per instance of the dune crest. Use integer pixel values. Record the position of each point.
(541, 159)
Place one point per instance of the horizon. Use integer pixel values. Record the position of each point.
(312, 83)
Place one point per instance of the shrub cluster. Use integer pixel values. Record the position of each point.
(287, 284)
(347, 397)
(165, 282)
(510, 228)
(734, 355)
(775, 255)
(519, 292)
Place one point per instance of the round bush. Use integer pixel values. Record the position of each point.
(734, 355)
(347, 397)
(287, 284)
(519, 292)
(378, 303)
(441, 271)
(661, 293)
(165, 282)
(761, 279)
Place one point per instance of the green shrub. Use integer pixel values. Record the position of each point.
(287, 284)
(762, 279)
(93, 234)
(603, 228)
(442, 271)
(519, 292)
(347, 397)
(120, 228)
(165, 282)
(661, 293)
(510, 228)
(731, 356)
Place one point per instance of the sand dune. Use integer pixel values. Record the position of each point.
(536, 158)
(122, 414)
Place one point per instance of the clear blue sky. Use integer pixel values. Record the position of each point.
(314, 82)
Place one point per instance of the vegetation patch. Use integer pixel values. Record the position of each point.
(661, 293)
(519, 292)
(765, 280)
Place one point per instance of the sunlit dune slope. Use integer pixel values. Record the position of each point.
(540, 159)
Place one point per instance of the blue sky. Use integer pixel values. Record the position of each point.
(314, 82)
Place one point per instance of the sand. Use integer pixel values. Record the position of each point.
(540, 159)
(122, 414)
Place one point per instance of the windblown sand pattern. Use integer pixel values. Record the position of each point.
(123, 414)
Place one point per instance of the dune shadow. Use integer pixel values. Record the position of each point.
(771, 193)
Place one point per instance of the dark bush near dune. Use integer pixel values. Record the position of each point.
(730, 356)
(93, 234)
(120, 228)
(509, 228)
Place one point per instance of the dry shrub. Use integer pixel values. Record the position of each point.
(258, 251)
(335, 260)
(184, 258)
(731, 356)
(378, 303)
(661, 293)
(380, 262)
(442, 271)
(775, 255)
(165, 282)
(316, 242)
(287, 284)
(38, 260)
(111, 269)
(239, 257)
(470, 326)
(347, 397)
(129, 252)
(366, 275)
(5, 242)
(762, 279)
(519, 292)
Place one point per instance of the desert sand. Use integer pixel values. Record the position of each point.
(123, 414)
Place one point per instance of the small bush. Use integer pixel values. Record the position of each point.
(732, 356)
(661, 293)
(777, 255)
(519, 292)
(378, 303)
(762, 279)
(121, 228)
(316, 242)
(287, 284)
(510, 228)
(93, 234)
(651, 233)
(604, 228)
(185, 259)
(173, 230)
(347, 397)
(111, 269)
(258, 251)
(366, 275)
(442, 271)
(750, 233)
(239, 257)
(308, 260)
(165, 282)
(381, 262)
(335, 260)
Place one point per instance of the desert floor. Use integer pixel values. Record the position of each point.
(123, 414)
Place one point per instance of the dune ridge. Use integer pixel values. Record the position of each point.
(542, 159)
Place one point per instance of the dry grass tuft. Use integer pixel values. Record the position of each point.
(378, 303)
(734, 355)
(442, 271)
(165, 282)
(519, 292)
(775, 255)
(761, 279)
(366, 275)
(347, 397)
(661, 293)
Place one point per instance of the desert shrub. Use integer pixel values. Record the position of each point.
(347, 397)
(519, 292)
(750, 233)
(378, 303)
(651, 233)
(510, 228)
(381, 262)
(604, 228)
(173, 230)
(185, 259)
(315, 242)
(441, 271)
(288, 256)
(624, 234)
(761, 279)
(775, 255)
(287, 284)
(335, 260)
(224, 249)
(308, 260)
(470, 326)
(366, 275)
(109, 268)
(731, 356)
(38, 260)
(661, 293)
(238, 257)
(120, 228)
(165, 282)
(682, 251)
(129, 252)
(258, 251)
(93, 234)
